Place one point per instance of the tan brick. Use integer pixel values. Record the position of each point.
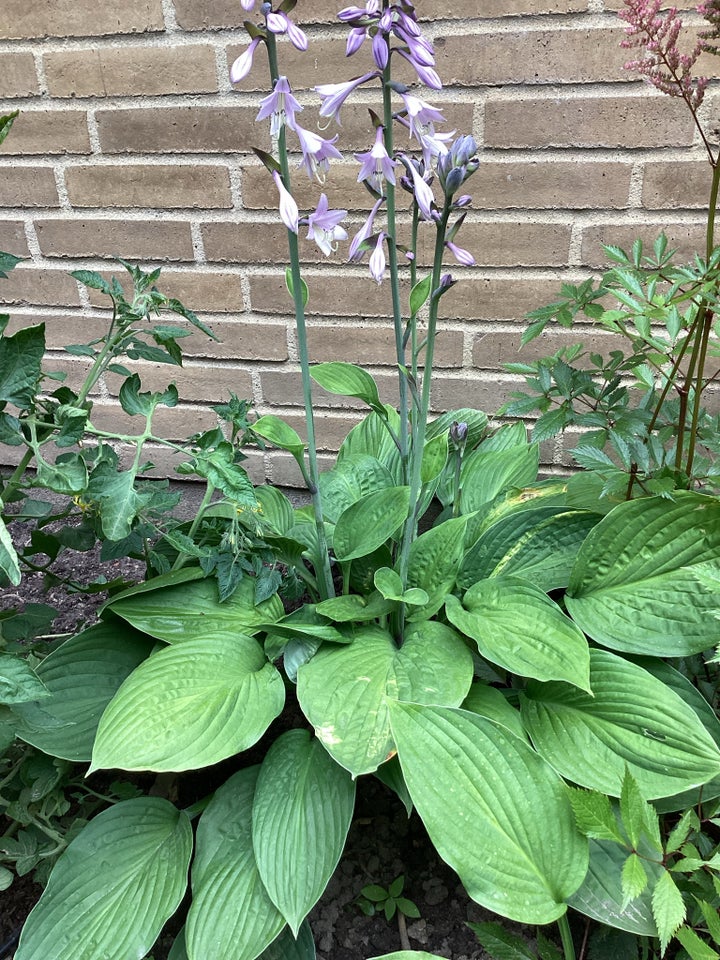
(238, 340)
(686, 238)
(166, 186)
(283, 471)
(27, 187)
(506, 244)
(491, 350)
(330, 428)
(198, 382)
(342, 189)
(131, 239)
(531, 56)
(284, 388)
(75, 370)
(329, 295)
(62, 330)
(125, 71)
(78, 18)
(451, 393)
(491, 298)
(260, 243)
(12, 237)
(643, 121)
(373, 345)
(48, 132)
(18, 77)
(676, 184)
(186, 129)
(203, 292)
(540, 184)
(39, 286)
(170, 423)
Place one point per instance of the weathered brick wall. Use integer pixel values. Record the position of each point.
(132, 142)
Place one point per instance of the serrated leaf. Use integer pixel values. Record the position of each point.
(632, 808)
(130, 861)
(9, 561)
(301, 815)
(634, 879)
(190, 705)
(594, 815)
(696, 948)
(668, 908)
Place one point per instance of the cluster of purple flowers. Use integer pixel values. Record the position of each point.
(390, 28)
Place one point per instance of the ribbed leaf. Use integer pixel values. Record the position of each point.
(434, 561)
(286, 947)
(517, 626)
(231, 915)
(350, 480)
(184, 611)
(489, 702)
(114, 887)
(344, 691)
(486, 475)
(479, 788)
(640, 582)
(347, 380)
(301, 815)
(631, 719)
(82, 676)
(367, 524)
(190, 705)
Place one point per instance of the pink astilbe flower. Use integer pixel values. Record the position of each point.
(662, 64)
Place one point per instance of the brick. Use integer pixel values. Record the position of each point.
(75, 370)
(329, 295)
(506, 244)
(203, 292)
(531, 56)
(491, 298)
(238, 340)
(39, 286)
(452, 393)
(12, 237)
(196, 382)
(676, 184)
(128, 71)
(62, 330)
(491, 350)
(48, 132)
(166, 186)
(643, 121)
(330, 429)
(687, 238)
(375, 345)
(131, 239)
(18, 77)
(283, 471)
(284, 388)
(78, 18)
(27, 187)
(551, 184)
(259, 243)
(342, 189)
(186, 129)
(170, 423)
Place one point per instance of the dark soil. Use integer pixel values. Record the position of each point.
(383, 842)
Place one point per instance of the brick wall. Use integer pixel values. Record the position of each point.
(132, 142)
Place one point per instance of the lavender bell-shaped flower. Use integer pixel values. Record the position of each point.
(316, 152)
(281, 106)
(334, 95)
(376, 164)
(289, 213)
(459, 163)
(324, 226)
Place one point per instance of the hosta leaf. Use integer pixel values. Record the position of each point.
(347, 380)
(478, 787)
(18, 681)
(82, 676)
(190, 705)
(286, 947)
(638, 584)
(538, 544)
(301, 815)
(631, 719)
(224, 872)
(344, 691)
(279, 434)
(114, 887)
(434, 561)
(408, 955)
(181, 611)
(489, 702)
(517, 626)
(351, 480)
(486, 475)
(367, 524)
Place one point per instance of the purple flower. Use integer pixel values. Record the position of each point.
(243, 65)
(422, 192)
(334, 95)
(281, 106)
(317, 152)
(324, 228)
(461, 255)
(427, 75)
(289, 213)
(377, 260)
(365, 231)
(380, 49)
(355, 40)
(247, 4)
(421, 119)
(280, 23)
(376, 164)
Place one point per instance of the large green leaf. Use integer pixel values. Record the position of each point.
(371, 436)
(367, 524)
(344, 692)
(519, 627)
(287, 947)
(350, 480)
(183, 611)
(601, 895)
(231, 915)
(538, 544)
(9, 564)
(640, 582)
(433, 564)
(21, 365)
(631, 719)
(114, 887)
(301, 815)
(190, 705)
(19, 683)
(347, 380)
(279, 434)
(82, 676)
(485, 476)
(495, 811)
(118, 500)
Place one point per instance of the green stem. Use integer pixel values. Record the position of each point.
(566, 937)
(325, 581)
(13, 481)
(182, 558)
(98, 368)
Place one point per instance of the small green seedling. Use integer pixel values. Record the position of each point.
(374, 898)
